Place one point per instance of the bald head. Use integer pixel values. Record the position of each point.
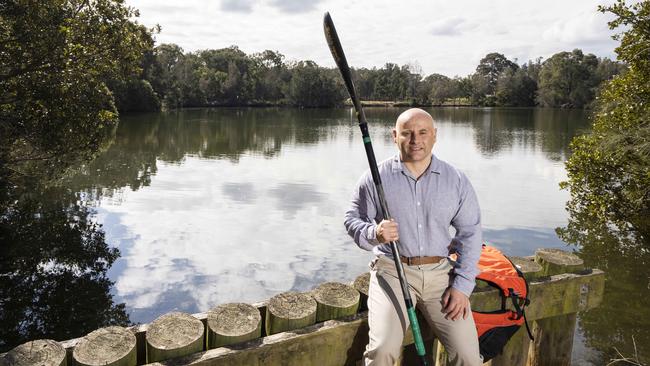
(411, 115)
(415, 135)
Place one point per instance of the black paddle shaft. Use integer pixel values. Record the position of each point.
(339, 57)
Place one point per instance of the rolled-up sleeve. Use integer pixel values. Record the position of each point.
(359, 219)
(468, 239)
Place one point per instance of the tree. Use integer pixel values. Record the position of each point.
(364, 81)
(391, 83)
(567, 79)
(515, 88)
(490, 67)
(441, 88)
(134, 95)
(313, 86)
(609, 171)
(56, 57)
(609, 182)
(272, 75)
(160, 74)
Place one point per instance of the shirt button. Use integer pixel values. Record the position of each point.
(419, 225)
(418, 203)
(421, 248)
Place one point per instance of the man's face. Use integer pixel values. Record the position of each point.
(415, 138)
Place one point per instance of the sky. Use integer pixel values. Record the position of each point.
(445, 37)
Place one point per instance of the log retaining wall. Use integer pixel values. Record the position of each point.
(560, 287)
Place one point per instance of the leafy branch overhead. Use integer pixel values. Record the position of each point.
(57, 57)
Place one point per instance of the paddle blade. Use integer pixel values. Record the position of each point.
(339, 57)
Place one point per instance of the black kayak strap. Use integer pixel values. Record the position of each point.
(521, 311)
(530, 334)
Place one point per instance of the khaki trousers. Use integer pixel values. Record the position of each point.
(388, 320)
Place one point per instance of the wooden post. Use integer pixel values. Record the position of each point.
(288, 311)
(441, 356)
(554, 335)
(532, 270)
(174, 335)
(233, 323)
(361, 284)
(42, 352)
(110, 346)
(557, 261)
(335, 300)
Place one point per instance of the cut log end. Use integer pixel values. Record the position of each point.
(335, 294)
(556, 261)
(531, 269)
(174, 335)
(174, 330)
(234, 319)
(288, 311)
(292, 305)
(106, 346)
(335, 300)
(233, 323)
(42, 352)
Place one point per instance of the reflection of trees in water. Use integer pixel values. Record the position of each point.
(625, 310)
(222, 133)
(53, 263)
(550, 130)
(207, 133)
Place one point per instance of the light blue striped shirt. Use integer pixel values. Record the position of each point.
(424, 209)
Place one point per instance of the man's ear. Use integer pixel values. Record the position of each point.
(395, 135)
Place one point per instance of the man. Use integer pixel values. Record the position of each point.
(425, 196)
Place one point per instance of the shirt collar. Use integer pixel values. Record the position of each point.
(398, 166)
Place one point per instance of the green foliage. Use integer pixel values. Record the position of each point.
(490, 68)
(56, 57)
(568, 79)
(312, 86)
(609, 172)
(391, 83)
(515, 88)
(441, 88)
(134, 95)
(609, 182)
(230, 77)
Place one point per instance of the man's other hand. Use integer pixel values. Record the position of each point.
(455, 304)
(387, 231)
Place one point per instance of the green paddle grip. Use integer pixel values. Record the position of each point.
(417, 336)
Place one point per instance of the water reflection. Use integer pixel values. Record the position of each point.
(619, 326)
(623, 318)
(53, 265)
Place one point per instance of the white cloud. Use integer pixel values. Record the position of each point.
(243, 6)
(444, 37)
(585, 27)
(453, 26)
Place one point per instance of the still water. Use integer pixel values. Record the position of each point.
(210, 206)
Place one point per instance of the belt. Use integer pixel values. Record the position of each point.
(416, 261)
